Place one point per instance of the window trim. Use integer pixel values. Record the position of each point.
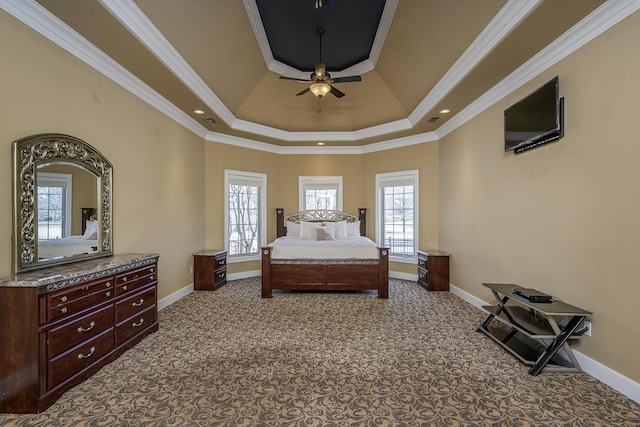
(62, 180)
(388, 177)
(326, 180)
(261, 181)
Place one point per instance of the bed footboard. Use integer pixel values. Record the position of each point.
(326, 274)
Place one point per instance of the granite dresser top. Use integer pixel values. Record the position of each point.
(68, 274)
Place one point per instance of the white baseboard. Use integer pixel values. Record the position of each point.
(244, 275)
(613, 379)
(170, 299)
(403, 276)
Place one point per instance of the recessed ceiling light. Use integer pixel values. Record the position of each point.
(198, 111)
(320, 143)
(445, 111)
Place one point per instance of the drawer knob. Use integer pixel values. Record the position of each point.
(63, 310)
(124, 288)
(135, 277)
(221, 275)
(107, 294)
(138, 323)
(63, 299)
(84, 356)
(221, 262)
(91, 325)
(138, 303)
(124, 279)
(107, 285)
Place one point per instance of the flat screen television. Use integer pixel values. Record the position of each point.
(535, 120)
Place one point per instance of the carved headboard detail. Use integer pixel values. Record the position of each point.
(319, 215)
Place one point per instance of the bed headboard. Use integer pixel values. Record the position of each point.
(87, 214)
(319, 215)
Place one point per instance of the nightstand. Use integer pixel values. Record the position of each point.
(209, 269)
(433, 270)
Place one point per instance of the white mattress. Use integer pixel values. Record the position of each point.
(297, 248)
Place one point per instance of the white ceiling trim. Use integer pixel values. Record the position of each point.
(130, 15)
(505, 20)
(283, 69)
(594, 24)
(44, 22)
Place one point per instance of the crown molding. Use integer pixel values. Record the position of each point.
(130, 15)
(283, 69)
(505, 20)
(594, 24)
(607, 15)
(45, 23)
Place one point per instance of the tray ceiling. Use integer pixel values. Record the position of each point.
(225, 57)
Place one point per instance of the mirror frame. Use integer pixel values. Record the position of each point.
(28, 154)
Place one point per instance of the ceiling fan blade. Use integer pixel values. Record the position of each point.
(335, 92)
(294, 79)
(346, 79)
(320, 69)
(302, 92)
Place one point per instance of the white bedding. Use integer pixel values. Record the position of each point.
(296, 248)
(66, 246)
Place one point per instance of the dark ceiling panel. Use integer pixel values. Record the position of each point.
(350, 29)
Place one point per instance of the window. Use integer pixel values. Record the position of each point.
(54, 205)
(245, 214)
(320, 192)
(397, 204)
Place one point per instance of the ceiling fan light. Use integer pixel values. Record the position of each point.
(320, 89)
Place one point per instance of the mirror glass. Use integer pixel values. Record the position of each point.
(62, 197)
(66, 205)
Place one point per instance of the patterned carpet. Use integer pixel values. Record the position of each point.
(230, 358)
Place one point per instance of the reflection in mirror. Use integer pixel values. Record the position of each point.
(65, 192)
(62, 202)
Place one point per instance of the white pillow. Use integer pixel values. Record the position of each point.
(341, 229)
(325, 233)
(91, 227)
(293, 229)
(353, 229)
(308, 229)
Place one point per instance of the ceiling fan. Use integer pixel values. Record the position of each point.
(320, 79)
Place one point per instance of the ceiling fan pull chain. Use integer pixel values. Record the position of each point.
(319, 109)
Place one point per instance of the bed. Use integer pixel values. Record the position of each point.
(86, 243)
(351, 262)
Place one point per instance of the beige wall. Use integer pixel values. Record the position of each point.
(562, 218)
(358, 172)
(158, 166)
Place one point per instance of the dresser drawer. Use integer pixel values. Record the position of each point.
(78, 298)
(62, 338)
(135, 304)
(220, 260)
(133, 280)
(135, 324)
(68, 364)
(422, 261)
(423, 277)
(220, 277)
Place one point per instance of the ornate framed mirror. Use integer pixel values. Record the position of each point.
(61, 202)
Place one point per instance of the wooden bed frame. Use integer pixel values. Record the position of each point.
(324, 274)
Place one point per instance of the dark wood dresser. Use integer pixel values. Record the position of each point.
(433, 270)
(209, 269)
(60, 325)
